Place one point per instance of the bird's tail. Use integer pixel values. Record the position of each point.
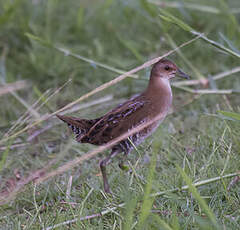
(78, 126)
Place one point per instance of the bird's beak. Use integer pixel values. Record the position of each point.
(181, 74)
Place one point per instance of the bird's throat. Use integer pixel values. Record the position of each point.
(160, 93)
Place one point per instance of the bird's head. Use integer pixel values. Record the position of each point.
(167, 69)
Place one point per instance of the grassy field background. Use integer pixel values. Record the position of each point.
(185, 176)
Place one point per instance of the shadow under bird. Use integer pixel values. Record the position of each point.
(154, 102)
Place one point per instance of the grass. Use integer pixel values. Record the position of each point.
(53, 57)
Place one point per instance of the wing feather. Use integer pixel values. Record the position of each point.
(117, 121)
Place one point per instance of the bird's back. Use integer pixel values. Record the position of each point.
(113, 124)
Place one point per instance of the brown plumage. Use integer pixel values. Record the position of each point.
(154, 101)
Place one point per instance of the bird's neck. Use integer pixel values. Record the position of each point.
(160, 93)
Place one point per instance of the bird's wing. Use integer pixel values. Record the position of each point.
(117, 121)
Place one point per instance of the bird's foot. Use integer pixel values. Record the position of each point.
(123, 167)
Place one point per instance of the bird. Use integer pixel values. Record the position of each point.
(154, 101)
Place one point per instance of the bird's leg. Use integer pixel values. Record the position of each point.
(103, 165)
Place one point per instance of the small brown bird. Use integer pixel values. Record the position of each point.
(154, 102)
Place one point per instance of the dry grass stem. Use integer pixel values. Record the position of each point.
(38, 132)
(26, 116)
(185, 174)
(11, 87)
(192, 6)
(98, 89)
(69, 187)
(96, 151)
(45, 176)
(88, 104)
(233, 182)
(94, 63)
(109, 210)
(22, 119)
(208, 91)
(8, 193)
(201, 82)
(197, 184)
(226, 73)
(13, 146)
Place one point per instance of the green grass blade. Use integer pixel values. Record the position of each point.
(161, 223)
(67, 52)
(229, 43)
(149, 8)
(193, 6)
(230, 115)
(3, 156)
(39, 40)
(198, 197)
(174, 220)
(147, 200)
(233, 29)
(10, 9)
(181, 54)
(216, 44)
(170, 18)
(129, 45)
(129, 214)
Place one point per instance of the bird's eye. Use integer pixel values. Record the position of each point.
(167, 67)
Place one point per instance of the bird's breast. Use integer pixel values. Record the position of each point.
(160, 95)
